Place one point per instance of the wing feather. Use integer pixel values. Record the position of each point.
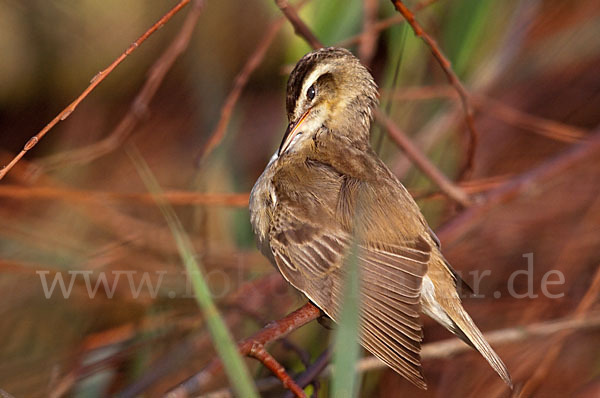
(311, 232)
(391, 277)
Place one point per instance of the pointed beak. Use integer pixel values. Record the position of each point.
(292, 130)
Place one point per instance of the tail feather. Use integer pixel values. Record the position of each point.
(468, 332)
(448, 311)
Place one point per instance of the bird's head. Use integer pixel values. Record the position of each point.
(329, 87)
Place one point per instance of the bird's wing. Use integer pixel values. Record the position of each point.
(310, 253)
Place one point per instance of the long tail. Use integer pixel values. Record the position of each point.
(465, 328)
(448, 310)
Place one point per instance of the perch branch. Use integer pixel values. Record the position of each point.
(452, 78)
(453, 346)
(269, 333)
(259, 352)
(96, 80)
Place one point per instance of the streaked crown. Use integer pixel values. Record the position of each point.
(337, 89)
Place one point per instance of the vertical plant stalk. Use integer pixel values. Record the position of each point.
(273, 331)
(235, 368)
(346, 350)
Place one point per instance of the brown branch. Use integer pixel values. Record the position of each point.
(542, 370)
(498, 110)
(240, 82)
(513, 188)
(470, 187)
(139, 107)
(269, 383)
(453, 346)
(541, 126)
(401, 139)
(422, 162)
(382, 25)
(96, 80)
(452, 78)
(178, 198)
(269, 333)
(368, 43)
(300, 27)
(259, 352)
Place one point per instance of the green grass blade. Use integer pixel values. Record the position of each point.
(235, 368)
(345, 382)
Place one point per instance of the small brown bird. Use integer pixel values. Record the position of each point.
(326, 188)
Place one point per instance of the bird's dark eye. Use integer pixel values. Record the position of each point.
(310, 93)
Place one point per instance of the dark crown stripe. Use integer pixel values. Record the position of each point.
(303, 69)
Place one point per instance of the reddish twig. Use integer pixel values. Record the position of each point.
(124, 227)
(267, 384)
(382, 25)
(177, 198)
(545, 127)
(451, 347)
(452, 78)
(422, 162)
(401, 139)
(550, 356)
(259, 352)
(269, 333)
(368, 43)
(258, 293)
(139, 106)
(240, 82)
(470, 187)
(576, 153)
(96, 80)
(299, 26)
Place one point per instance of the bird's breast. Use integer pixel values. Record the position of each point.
(262, 201)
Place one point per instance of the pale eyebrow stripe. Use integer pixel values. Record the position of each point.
(313, 76)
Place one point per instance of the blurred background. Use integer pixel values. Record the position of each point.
(123, 320)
